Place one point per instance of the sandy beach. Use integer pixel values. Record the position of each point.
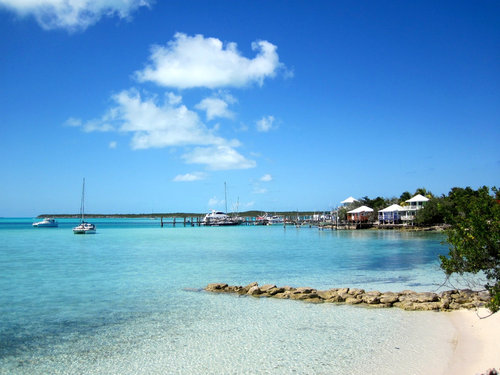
(477, 342)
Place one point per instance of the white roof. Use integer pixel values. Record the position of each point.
(418, 198)
(394, 207)
(360, 209)
(349, 200)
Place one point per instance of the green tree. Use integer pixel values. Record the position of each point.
(433, 213)
(424, 192)
(405, 196)
(474, 237)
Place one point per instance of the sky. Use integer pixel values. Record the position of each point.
(295, 105)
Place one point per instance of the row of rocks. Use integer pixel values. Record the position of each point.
(407, 299)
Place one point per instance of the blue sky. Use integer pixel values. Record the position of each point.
(295, 104)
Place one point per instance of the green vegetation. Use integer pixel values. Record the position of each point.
(474, 236)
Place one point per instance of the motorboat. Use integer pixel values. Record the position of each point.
(46, 223)
(267, 219)
(219, 218)
(84, 227)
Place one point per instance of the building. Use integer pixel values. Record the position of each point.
(391, 214)
(361, 214)
(414, 204)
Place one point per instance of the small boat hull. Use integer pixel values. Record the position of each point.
(85, 228)
(46, 223)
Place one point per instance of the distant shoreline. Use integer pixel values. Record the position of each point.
(176, 214)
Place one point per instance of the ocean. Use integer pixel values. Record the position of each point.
(128, 300)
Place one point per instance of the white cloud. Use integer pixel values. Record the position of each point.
(73, 14)
(73, 122)
(155, 124)
(265, 124)
(112, 144)
(259, 190)
(216, 107)
(174, 99)
(266, 178)
(218, 158)
(97, 126)
(188, 177)
(187, 62)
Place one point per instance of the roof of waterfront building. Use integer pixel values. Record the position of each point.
(394, 207)
(418, 198)
(360, 209)
(349, 200)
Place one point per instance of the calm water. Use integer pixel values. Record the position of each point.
(124, 301)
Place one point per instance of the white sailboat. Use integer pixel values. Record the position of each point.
(219, 218)
(83, 227)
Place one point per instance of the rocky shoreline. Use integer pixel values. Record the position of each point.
(407, 299)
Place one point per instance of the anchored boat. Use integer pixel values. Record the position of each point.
(46, 223)
(83, 227)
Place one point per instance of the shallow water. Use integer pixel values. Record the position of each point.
(122, 301)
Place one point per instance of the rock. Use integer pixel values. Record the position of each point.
(407, 299)
(389, 298)
(483, 296)
(265, 288)
(216, 287)
(427, 306)
(370, 299)
(254, 291)
(425, 297)
(303, 296)
(356, 292)
(304, 290)
(406, 292)
(344, 296)
(273, 291)
(255, 283)
(352, 300)
(284, 295)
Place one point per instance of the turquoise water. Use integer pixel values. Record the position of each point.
(125, 301)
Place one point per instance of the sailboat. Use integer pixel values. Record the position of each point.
(83, 227)
(218, 218)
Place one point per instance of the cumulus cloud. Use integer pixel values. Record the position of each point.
(112, 144)
(219, 157)
(265, 124)
(155, 123)
(189, 177)
(73, 14)
(196, 61)
(216, 107)
(266, 178)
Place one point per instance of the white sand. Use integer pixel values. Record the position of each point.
(477, 342)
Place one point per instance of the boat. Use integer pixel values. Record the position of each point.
(219, 218)
(267, 219)
(46, 223)
(84, 227)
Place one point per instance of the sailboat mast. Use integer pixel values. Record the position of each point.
(225, 195)
(82, 204)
